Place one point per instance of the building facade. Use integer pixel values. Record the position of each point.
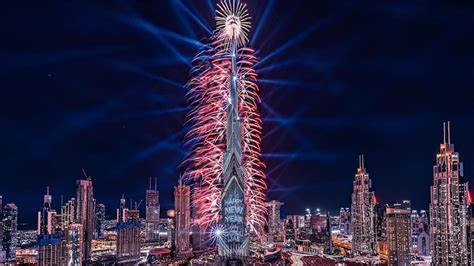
(73, 237)
(273, 218)
(152, 230)
(99, 221)
(85, 212)
(128, 234)
(362, 213)
(398, 234)
(449, 207)
(50, 243)
(10, 231)
(345, 221)
(182, 197)
(51, 250)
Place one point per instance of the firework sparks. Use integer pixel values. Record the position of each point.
(224, 84)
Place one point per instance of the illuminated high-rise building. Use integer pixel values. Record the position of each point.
(74, 241)
(471, 233)
(362, 212)
(10, 231)
(50, 243)
(152, 230)
(99, 221)
(128, 234)
(420, 238)
(68, 213)
(274, 224)
(290, 231)
(182, 204)
(345, 221)
(321, 231)
(122, 210)
(399, 234)
(50, 250)
(85, 213)
(449, 207)
(224, 138)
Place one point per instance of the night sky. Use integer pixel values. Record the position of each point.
(100, 86)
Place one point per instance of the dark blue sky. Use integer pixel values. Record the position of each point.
(99, 86)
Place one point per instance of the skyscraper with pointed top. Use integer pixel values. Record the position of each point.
(85, 213)
(449, 207)
(152, 231)
(362, 212)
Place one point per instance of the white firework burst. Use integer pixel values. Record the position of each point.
(233, 22)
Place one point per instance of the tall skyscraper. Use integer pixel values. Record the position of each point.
(152, 231)
(99, 221)
(449, 207)
(225, 136)
(399, 234)
(128, 234)
(85, 213)
(50, 244)
(10, 231)
(182, 197)
(362, 212)
(274, 225)
(45, 218)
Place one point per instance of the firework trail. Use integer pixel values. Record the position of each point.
(222, 87)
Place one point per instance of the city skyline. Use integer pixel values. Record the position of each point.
(55, 203)
(122, 135)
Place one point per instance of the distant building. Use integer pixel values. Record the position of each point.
(152, 230)
(298, 220)
(182, 197)
(290, 230)
(10, 231)
(85, 213)
(449, 207)
(273, 218)
(50, 242)
(345, 221)
(362, 213)
(99, 221)
(399, 234)
(321, 232)
(68, 213)
(50, 250)
(128, 234)
(380, 225)
(74, 241)
(420, 237)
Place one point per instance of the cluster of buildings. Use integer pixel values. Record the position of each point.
(367, 232)
(394, 234)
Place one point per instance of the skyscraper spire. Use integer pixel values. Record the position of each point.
(362, 212)
(444, 133)
(449, 207)
(449, 133)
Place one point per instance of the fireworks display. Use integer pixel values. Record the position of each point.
(221, 65)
